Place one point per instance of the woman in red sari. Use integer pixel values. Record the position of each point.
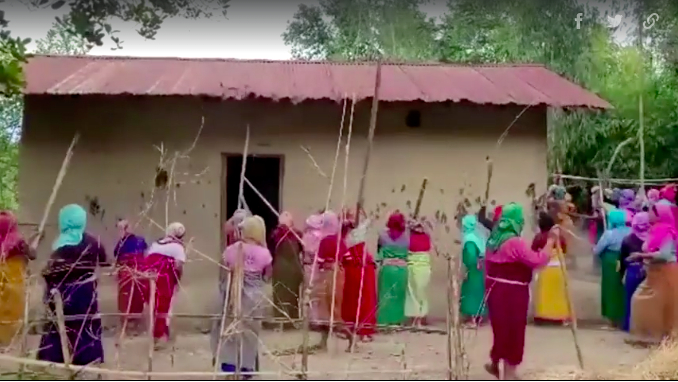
(359, 306)
(165, 261)
(129, 255)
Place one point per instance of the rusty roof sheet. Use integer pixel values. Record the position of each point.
(303, 80)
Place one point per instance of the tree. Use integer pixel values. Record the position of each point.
(90, 19)
(362, 30)
(57, 41)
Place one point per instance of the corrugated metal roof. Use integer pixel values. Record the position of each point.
(303, 80)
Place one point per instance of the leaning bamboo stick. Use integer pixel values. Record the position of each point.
(61, 327)
(570, 304)
(420, 198)
(237, 307)
(57, 185)
(370, 139)
(245, 152)
(449, 322)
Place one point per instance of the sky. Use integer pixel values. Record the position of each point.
(251, 30)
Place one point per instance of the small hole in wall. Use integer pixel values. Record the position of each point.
(161, 178)
(413, 119)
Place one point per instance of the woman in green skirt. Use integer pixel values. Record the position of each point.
(608, 249)
(472, 304)
(392, 281)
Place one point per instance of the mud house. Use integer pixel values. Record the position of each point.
(435, 121)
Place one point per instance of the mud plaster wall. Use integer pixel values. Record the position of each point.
(115, 162)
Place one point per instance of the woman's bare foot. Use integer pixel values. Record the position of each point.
(161, 343)
(366, 339)
(492, 369)
(510, 373)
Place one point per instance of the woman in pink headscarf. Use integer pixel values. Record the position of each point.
(326, 281)
(654, 306)
(288, 275)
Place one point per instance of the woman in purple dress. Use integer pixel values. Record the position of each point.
(70, 272)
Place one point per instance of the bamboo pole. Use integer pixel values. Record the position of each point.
(57, 185)
(420, 198)
(61, 327)
(237, 308)
(370, 139)
(570, 304)
(151, 326)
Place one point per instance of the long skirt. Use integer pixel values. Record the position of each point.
(329, 309)
(612, 289)
(130, 290)
(507, 307)
(418, 278)
(12, 292)
(165, 285)
(312, 275)
(634, 276)
(392, 290)
(287, 280)
(550, 299)
(359, 307)
(84, 335)
(654, 305)
(241, 337)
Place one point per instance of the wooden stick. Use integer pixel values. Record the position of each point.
(151, 326)
(134, 374)
(55, 190)
(25, 324)
(617, 180)
(241, 187)
(338, 148)
(370, 140)
(490, 168)
(570, 304)
(222, 324)
(237, 305)
(420, 198)
(450, 294)
(61, 327)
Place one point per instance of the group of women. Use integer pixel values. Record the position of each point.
(351, 289)
(639, 292)
(70, 275)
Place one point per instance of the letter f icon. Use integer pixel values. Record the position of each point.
(578, 20)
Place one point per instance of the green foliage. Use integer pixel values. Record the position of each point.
(57, 41)
(539, 31)
(90, 19)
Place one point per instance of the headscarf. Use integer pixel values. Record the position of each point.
(664, 228)
(616, 218)
(668, 192)
(9, 232)
(238, 216)
(313, 233)
(286, 219)
(72, 223)
(653, 196)
(497, 213)
(253, 230)
(641, 225)
(123, 228)
(330, 224)
(174, 233)
(558, 192)
(626, 198)
(469, 225)
(509, 225)
(396, 225)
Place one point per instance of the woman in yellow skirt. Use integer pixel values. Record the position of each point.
(14, 253)
(550, 296)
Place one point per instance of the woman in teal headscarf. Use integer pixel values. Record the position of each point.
(608, 249)
(71, 273)
(472, 304)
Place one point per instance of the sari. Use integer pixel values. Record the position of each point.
(392, 280)
(129, 256)
(419, 273)
(240, 342)
(164, 262)
(288, 275)
(608, 250)
(328, 292)
(472, 297)
(509, 265)
(14, 253)
(359, 301)
(654, 306)
(71, 273)
(551, 305)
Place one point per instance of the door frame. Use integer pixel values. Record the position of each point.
(223, 186)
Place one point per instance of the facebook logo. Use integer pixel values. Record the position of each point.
(578, 20)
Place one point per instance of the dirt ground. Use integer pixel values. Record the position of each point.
(391, 356)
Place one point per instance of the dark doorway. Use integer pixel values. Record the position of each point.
(264, 172)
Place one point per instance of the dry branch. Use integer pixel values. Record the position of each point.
(151, 327)
(61, 326)
(570, 303)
